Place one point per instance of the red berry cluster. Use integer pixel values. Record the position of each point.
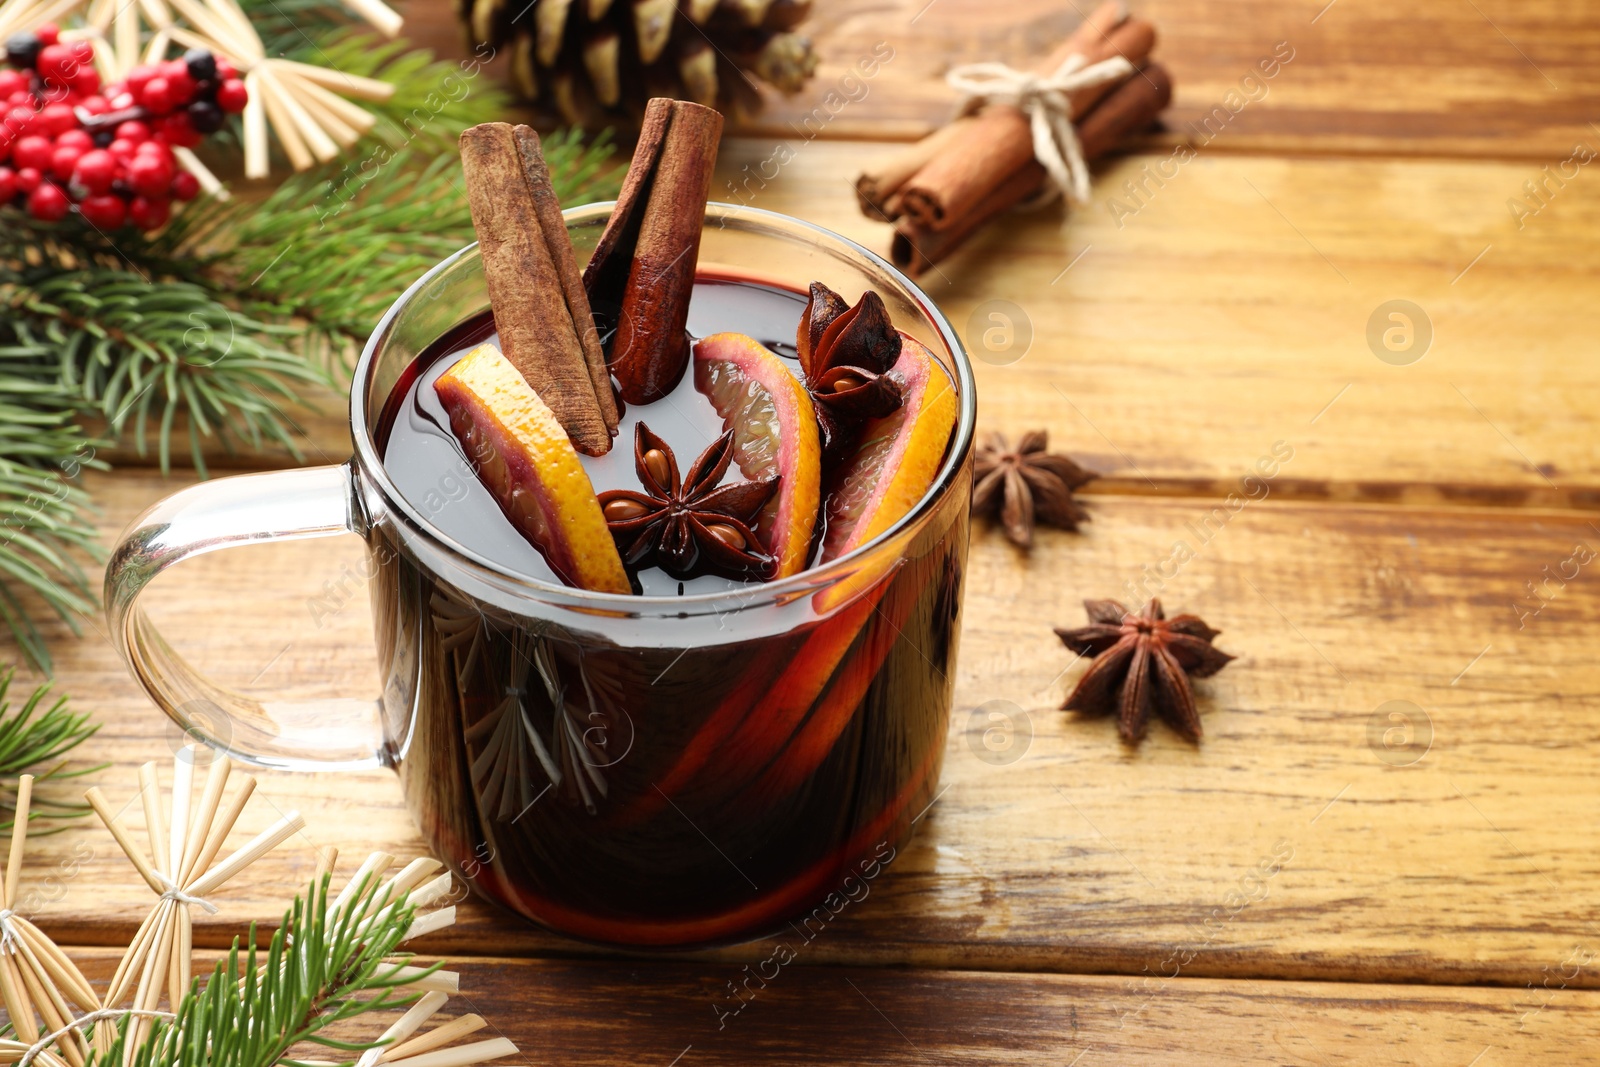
(67, 141)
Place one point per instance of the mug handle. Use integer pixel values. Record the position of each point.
(288, 505)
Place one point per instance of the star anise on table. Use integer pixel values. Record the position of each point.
(845, 357)
(688, 525)
(1025, 485)
(1142, 661)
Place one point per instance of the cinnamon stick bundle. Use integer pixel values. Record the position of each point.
(1130, 107)
(959, 179)
(540, 306)
(943, 188)
(642, 271)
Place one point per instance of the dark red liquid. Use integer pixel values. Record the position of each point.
(705, 789)
(423, 458)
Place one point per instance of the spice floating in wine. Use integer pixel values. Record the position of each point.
(843, 419)
(434, 471)
(775, 436)
(524, 458)
(846, 353)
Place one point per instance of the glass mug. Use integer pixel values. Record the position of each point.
(663, 771)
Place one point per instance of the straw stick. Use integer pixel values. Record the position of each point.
(18, 1007)
(158, 46)
(351, 85)
(231, 14)
(155, 822)
(357, 118)
(370, 868)
(465, 1055)
(431, 922)
(62, 970)
(342, 133)
(53, 1010)
(431, 892)
(436, 1038)
(209, 182)
(217, 29)
(102, 808)
(224, 826)
(258, 846)
(156, 13)
(19, 838)
(425, 980)
(384, 18)
(261, 82)
(327, 857)
(256, 160)
(125, 34)
(138, 949)
(205, 818)
(182, 795)
(408, 1023)
(409, 877)
(315, 137)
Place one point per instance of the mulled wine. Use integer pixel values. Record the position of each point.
(700, 790)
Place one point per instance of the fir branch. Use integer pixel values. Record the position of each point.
(46, 522)
(140, 351)
(323, 967)
(37, 734)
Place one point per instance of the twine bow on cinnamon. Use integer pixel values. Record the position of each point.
(1047, 102)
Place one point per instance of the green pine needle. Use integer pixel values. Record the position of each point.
(138, 352)
(322, 968)
(35, 734)
(226, 316)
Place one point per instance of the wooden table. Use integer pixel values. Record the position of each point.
(1429, 892)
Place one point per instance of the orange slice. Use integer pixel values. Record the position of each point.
(774, 433)
(526, 460)
(897, 457)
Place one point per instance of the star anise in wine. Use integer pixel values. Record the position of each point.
(846, 354)
(1142, 661)
(688, 525)
(1025, 485)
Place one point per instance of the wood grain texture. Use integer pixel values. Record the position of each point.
(573, 1012)
(1170, 347)
(1232, 310)
(1488, 79)
(1291, 844)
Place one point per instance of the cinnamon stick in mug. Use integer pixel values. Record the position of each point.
(642, 271)
(525, 252)
(1132, 106)
(959, 179)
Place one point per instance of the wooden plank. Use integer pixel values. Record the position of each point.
(1233, 309)
(1472, 864)
(1171, 346)
(1494, 78)
(1490, 79)
(572, 1012)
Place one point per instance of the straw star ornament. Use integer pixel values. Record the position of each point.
(307, 107)
(349, 943)
(184, 842)
(38, 983)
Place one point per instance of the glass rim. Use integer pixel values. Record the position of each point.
(808, 581)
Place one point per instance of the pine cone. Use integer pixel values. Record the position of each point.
(592, 61)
